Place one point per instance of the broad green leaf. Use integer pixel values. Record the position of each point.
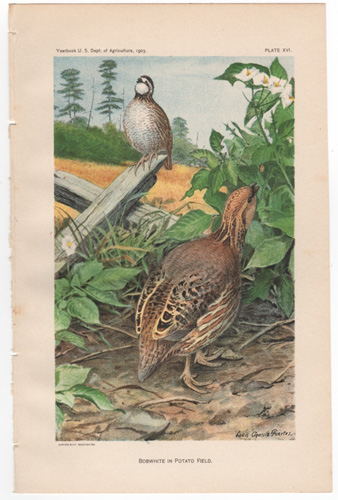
(263, 154)
(61, 288)
(282, 114)
(277, 70)
(215, 140)
(216, 223)
(286, 128)
(104, 296)
(199, 181)
(93, 395)
(280, 211)
(235, 147)
(257, 233)
(232, 172)
(84, 271)
(59, 417)
(270, 251)
(236, 68)
(66, 376)
(71, 337)
(61, 319)
(216, 179)
(285, 224)
(285, 295)
(262, 101)
(189, 226)
(65, 398)
(292, 263)
(84, 309)
(212, 160)
(260, 288)
(215, 200)
(247, 174)
(115, 278)
(245, 135)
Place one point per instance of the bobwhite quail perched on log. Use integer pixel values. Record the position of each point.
(194, 294)
(146, 125)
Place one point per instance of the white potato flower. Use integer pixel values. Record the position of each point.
(247, 74)
(69, 245)
(286, 95)
(276, 85)
(261, 79)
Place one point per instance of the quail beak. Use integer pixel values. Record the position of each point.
(254, 188)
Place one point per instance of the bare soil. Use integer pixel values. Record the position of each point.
(252, 393)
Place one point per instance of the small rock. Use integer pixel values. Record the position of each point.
(220, 418)
(254, 385)
(141, 420)
(230, 355)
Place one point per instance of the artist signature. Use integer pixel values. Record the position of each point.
(273, 433)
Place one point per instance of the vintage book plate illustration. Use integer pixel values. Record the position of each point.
(174, 213)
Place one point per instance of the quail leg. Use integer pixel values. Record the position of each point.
(141, 162)
(203, 359)
(189, 379)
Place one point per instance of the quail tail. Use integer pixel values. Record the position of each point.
(168, 163)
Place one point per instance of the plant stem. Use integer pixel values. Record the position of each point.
(285, 175)
(262, 129)
(278, 158)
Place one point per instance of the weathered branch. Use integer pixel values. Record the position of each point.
(117, 202)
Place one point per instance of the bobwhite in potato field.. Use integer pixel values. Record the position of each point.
(146, 125)
(194, 294)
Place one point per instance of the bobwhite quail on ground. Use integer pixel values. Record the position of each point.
(194, 294)
(146, 125)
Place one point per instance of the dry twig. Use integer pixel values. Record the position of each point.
(121, 330)
(264, 331)
(282, 373)
(96, 354)
(170, 400)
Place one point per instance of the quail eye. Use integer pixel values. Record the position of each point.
(250, 199)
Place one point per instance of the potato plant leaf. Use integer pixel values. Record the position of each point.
(115, 278)
(61, 288)
(84, 271)
(93, 395)
(59, 417)
(67, 375)
(215, 140)
(209, 156)
(189, 226)
(261, 287)
(61, 319)
(84, 309)
(72, 338)
(270, 251)
(65, 398)
(198, 182)
(277, 70)
(285, 295)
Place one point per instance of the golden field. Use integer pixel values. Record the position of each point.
(166, 193)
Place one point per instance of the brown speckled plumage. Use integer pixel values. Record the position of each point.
(194, 294)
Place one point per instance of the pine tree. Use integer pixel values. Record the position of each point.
(72, 92)
(110, 101)
(179, 128)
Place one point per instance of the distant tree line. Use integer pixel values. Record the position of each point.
(77, 139)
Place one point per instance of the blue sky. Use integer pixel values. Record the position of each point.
(184, 86)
